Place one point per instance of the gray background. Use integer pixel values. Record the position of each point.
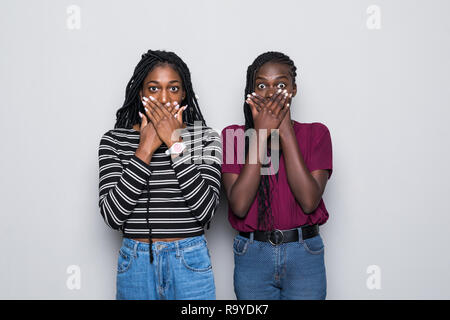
(383, 94)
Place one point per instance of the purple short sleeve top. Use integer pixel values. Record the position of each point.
(314, 141)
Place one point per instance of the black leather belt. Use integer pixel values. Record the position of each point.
(277, 237)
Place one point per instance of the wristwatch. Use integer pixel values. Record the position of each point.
(176, 148)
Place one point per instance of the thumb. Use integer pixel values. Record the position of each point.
(179, 114)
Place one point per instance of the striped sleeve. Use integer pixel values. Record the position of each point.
(119, 188)
(199, 178)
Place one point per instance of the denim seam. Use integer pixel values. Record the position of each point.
(244, 250)
(128, 257)
(305, 245)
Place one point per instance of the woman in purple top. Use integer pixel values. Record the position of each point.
(274, 185)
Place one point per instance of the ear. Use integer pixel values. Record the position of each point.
(294, 90)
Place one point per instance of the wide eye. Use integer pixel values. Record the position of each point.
(174, 89)
(153, 89)
(281, 85)
(261, 86)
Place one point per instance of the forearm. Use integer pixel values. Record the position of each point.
(199, 183)
(144, 155)
(120, 190)
(243, 191)
(302, 184)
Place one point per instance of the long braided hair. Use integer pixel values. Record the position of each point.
(128, 114)
(265, 216)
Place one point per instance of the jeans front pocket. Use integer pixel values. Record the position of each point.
(314, 245)
(196, 258)
(124, 260)
(240, 245)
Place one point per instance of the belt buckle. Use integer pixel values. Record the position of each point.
(278, 237)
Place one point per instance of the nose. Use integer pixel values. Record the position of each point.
(164, 96)
(270, 92)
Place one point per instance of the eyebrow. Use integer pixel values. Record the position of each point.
(157, 82)
(279, 77)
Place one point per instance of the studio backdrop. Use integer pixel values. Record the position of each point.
(376, 73)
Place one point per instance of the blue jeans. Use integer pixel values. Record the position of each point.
(180, 270)
(292, 270)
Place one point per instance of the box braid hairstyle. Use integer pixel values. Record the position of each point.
(128, 114)
(265, 216)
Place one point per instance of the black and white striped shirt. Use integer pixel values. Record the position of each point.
(184, 192)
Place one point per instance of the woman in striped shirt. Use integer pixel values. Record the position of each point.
(159, 183)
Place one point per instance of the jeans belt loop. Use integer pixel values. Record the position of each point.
(300, 234)
(136, 243)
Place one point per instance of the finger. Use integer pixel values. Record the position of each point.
(175, 108)
(280, 102)
(285, 111)
(166, 112)
(171, 109)
(253, 103)
(255, 110)
(273, 99)
(260, 100)
(155, 101)
(156, 106)
(147, 106)
(288, 100)
(149, 111)
(168, 106)
(257, 102)
(143, 120)
(142, 114)
(153, 119)
(179, 114)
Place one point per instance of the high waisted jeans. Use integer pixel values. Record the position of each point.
(292, 270)
(180, 270)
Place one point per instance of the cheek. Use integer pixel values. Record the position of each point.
(148, 92)
(259, 91)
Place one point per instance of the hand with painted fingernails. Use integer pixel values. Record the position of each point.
(166, 119)
(286, 123)
(149, 140)
(268, 113)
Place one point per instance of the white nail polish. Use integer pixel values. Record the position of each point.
(168, 104)
(287, 105)
(177, 107)
(140, 114)
(279, 90)
(144, 103)
(146, 110)
(145, 98)
(253, 94)
(175, 103)
(175, 116)
(151, 98)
